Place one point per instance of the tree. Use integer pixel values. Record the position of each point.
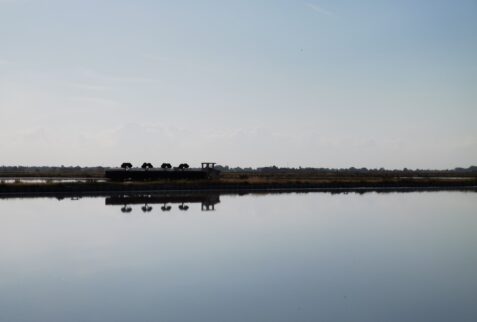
(166, 166)
(147, 166)
(126, 166)
(183, 166)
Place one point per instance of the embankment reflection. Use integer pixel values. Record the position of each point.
(128, 202)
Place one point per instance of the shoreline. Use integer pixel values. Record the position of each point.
(337, 186)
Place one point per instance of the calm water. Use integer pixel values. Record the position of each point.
(47, 180)
(277, 257)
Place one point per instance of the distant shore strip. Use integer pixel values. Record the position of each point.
(363, 184)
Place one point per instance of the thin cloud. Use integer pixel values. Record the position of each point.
(318, 9)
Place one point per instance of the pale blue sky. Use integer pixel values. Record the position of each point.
(250, 83)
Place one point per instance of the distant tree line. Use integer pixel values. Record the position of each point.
(472, 170)
(50, 171)
(95, 172)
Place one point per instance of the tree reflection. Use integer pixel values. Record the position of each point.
(166, 208)
(146, 208)
(207, 201)
(126, 209)
(183, 207)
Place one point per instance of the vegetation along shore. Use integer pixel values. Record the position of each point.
(91, 180)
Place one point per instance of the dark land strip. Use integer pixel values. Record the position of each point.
(329, 185)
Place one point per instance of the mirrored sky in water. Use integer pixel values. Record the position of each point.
(275, 257)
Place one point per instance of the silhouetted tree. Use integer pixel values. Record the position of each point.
(126, 165)
(166, 166)
(183, 166)
(147, 166)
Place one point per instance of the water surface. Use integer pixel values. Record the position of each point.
(275, 257)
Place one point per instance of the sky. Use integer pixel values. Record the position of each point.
(390, 83)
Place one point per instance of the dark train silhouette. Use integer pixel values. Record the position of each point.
(148, 172)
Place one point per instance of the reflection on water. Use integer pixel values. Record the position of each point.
(206, 200)
(45, 180)
(257, 257)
